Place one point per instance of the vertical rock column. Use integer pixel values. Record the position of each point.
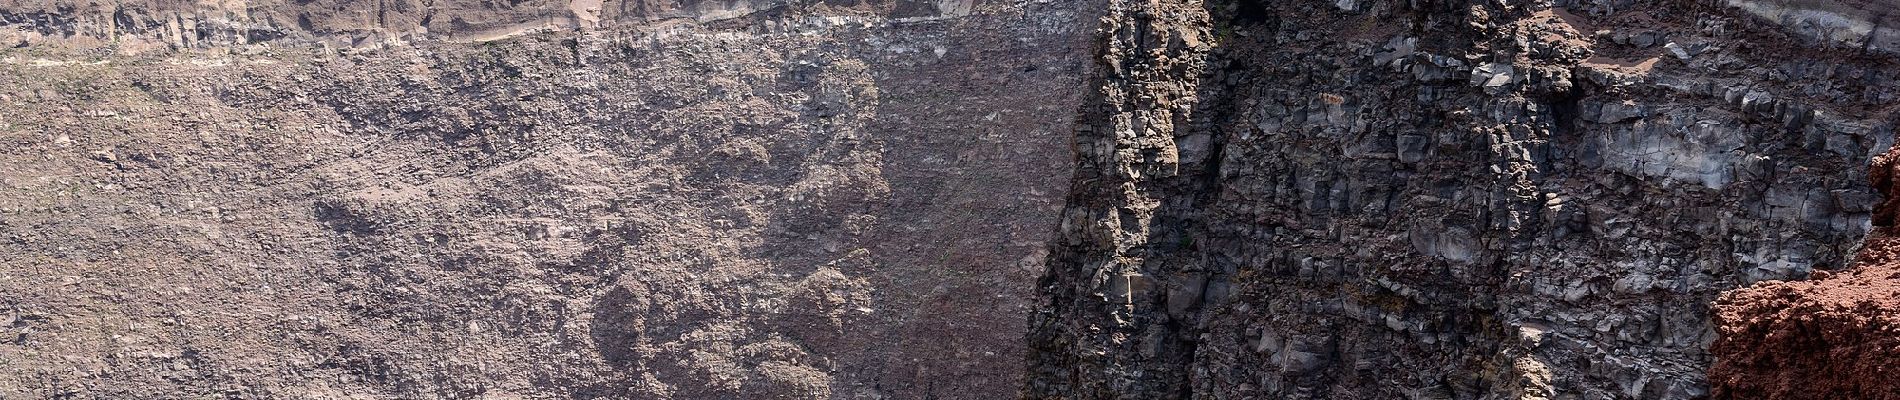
(1103, 328)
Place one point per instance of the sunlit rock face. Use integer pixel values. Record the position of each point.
(717, 200)
(1868, 24)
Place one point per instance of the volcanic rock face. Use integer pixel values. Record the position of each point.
(791, 204)
(1444, 200)
(1833, 337)
(1339, 199)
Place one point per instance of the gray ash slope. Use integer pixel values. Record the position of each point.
(758, 199)
(802, 201)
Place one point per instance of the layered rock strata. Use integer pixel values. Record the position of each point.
(804, 202)
(1444, 199)
(1831, 337)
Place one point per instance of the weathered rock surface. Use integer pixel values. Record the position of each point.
(1444, 200)
(1828, 338)
(794, 204)
(1336, 199)
(135, 26)
(1833, 337)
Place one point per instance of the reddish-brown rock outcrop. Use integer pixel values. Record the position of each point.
(1833, 337)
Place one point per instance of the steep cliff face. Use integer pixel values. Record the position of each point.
(1343, 199)
(1139, 183)
(1831, 337)
(796, 203)
(1447, 200)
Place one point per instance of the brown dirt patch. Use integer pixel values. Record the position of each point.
(1832, 337)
